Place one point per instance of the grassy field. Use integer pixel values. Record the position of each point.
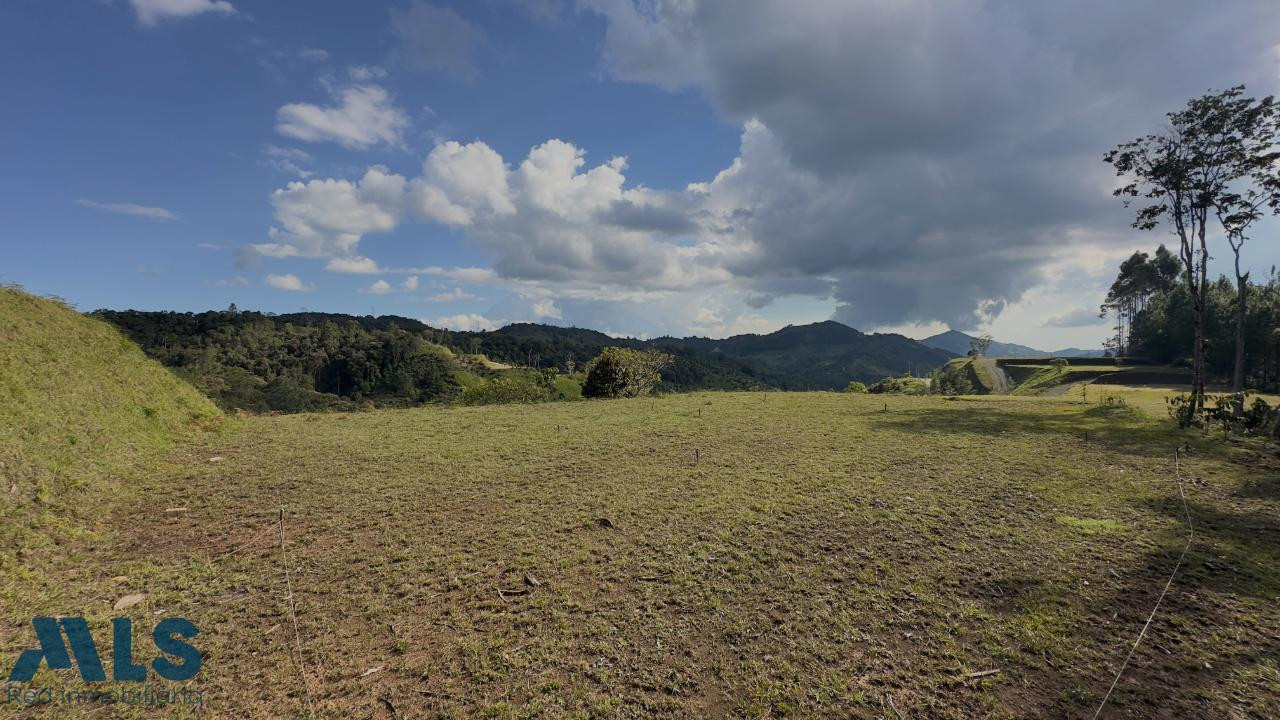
(709, 555)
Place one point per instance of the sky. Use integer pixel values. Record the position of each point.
(641, 168)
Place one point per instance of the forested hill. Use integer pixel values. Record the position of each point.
(821, 356)
(302, 361)
(308, 361)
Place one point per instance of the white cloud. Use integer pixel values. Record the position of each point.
(545, 308)
(452, 296)
(363, 117)
(553, 219)
(382, 287)
(923, 161)
(473, 275)
(155, 213)
(151, 12)
(288, 282)
(1079, 317)
(313, 54)
(356, 265)
(322, 218)
(900, 164)
(464, 321)
(459, 181)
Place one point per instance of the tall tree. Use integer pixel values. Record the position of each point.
(1181, 175)
(1250, 126)
(1141, 278)
(978, 345)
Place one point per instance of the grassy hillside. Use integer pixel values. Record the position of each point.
(716, 555)
(81, 404)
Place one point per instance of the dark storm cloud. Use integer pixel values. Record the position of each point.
(932, 157)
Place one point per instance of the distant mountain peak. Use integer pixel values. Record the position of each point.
(958, 343)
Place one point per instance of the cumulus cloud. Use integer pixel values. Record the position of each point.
(459, 181)
(926, 159)
(328, 217)
(146, 211)
(382, 287)
(464, 321)
(541, 220)
(151, 12)
(452, 296)
(363, 116)
(903, 163)
(379, 287)
(435, 38)
(288, 281)
(356, 265)
(545, 309)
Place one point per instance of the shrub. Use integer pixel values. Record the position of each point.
(566, 388)
(1220, 410)
(951, 380)
(856, 387)
(504, 390)
(905, 385)
(623, 372)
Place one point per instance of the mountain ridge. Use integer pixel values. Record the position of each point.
(958, 343)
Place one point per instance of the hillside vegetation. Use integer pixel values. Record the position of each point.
(311, 361)
(81, 404)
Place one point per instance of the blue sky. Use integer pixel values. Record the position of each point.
(640, 169)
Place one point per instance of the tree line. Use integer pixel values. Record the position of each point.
(302, 362)
(1211, 173)
(1154, 320)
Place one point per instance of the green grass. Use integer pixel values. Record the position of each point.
(84, 414)
(1091, 526)
(80, 404)
(766, 554)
